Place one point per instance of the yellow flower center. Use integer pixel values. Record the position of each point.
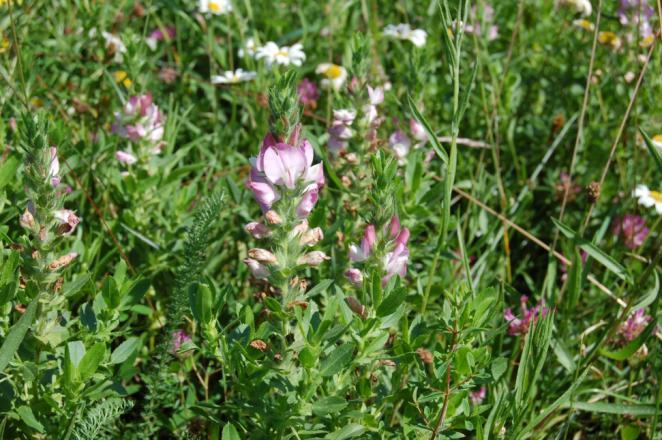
(607, 37)
(657, 138)
(585, 24)
(214, 6)
(657, 196)
(282, 53)
(122, 77)
(646, 42)
(333, 71)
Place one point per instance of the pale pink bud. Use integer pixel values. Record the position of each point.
(27, 220)
(418, 131)
(257, 230)
(262, 256)
(299, 229)
(314, 258)
(259, 271)
(311, 237)
(273, 218)
(354, 276)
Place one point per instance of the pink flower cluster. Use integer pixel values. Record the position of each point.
(340, 131)
(400, 143)
(488, 16)
(286, 168)
(520, 326)
(634, 325)
(631, 229)
(140, 121)
(178, 339)
(159, 34)
(308, 93)
(394, 262)
(478, 395)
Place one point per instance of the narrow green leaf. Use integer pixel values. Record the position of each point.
(329, 405)
(27, 416)
(595, 252)
(90, 362)
(434, 140)
(17, 333)
(615, 408)
(8, 170)
(391, 303)
(339, 358)
(319, 288)
(348, 431)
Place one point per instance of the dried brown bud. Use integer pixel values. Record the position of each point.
(298, 303)
(278, 357)
(62, 261)
(259, 344)
(425, 355)
(311, 237)
(356, 306)
(593, 192)
(387, 363)
(273, 218)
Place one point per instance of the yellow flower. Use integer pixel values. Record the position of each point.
(4, 44)
(334, 75)
(647, 40)
(584, 24)
(122, 77)
(609, 38)
(36, 102)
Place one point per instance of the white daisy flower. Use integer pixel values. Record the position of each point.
(403, 31)
(216, 7)
(334, 75)
(249, 49)
(233, 77)
(284, 56)
(581, 6)
(648, 198)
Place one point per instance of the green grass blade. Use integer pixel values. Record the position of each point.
(17, 333)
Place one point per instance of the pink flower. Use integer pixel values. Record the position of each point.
(478, 395)
(358, 254)
(125, 157)
(395, 263)
(632, 230)
(257, 230)
(308, 201)
(418, 131)
(376, 95)
(179, 338)
(340, 131)
(517, 326)
(259, 271)
(308, 93)
(634, 325)
(67, 221)
(354, 276)
(344, 116)
(400, 144)
(284, 165)
(140, 120)
(159, 35)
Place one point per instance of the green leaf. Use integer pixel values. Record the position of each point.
(125, 349)
(307, 357)
(651, 148)
(499, 366)
(201, 302)
(615, 408)
(348, 431)
(329, 405)
(110, 293)
(391, 303)
(337, 360)
(434, 141)
(8, 170)
(26, 414)
(319, 288)
(591, 249)
(630, 432)
(90, 362)
(632, 347)
(17, 333)
(230, 432)
(648, 297)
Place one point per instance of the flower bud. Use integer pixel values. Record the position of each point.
(257, 230)
(314, 258)
(27, 220)
(354, 276)
(259, 344)
(67, 221)
(273, 218)
(262, 255)
(300, 229)
(356, 306)
(311, 237)
(62, 261)
(259, 271)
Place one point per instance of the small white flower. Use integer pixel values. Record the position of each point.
(581, 6)
(284, 56)
(233, 77)
(249, 49)
(648, 198)
(403, 31)
(216, 7)
(113, 43)
(334, 75)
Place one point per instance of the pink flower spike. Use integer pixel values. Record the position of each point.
(284, 165)
(632, 229)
